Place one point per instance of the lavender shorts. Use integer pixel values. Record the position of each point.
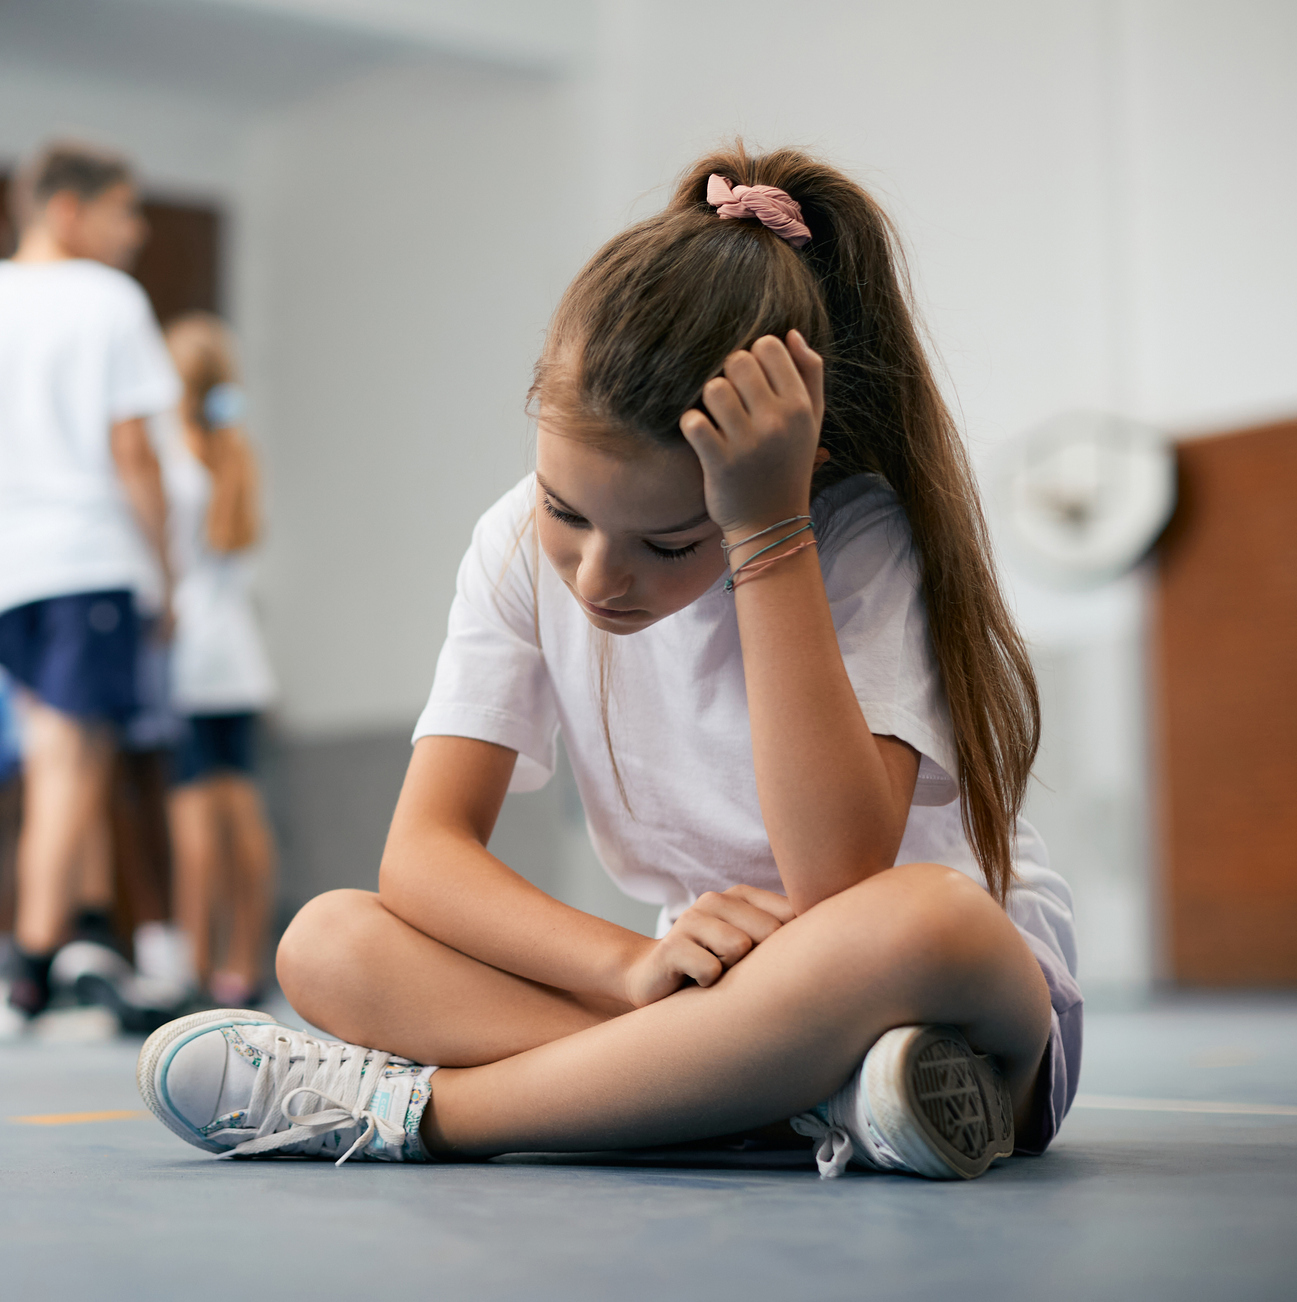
(1061, 1069)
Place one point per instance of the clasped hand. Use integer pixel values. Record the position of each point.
(758, 449)
(709, 937)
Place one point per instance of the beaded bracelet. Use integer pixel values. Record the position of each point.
(729, 583)
(765, 565)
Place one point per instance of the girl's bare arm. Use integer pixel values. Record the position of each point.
(141, 477)
(438, 876)
(834, 797)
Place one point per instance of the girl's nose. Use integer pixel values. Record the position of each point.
(599, 579)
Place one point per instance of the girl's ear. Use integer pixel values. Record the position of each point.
(821, 456)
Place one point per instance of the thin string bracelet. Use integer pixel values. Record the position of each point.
(765, 565)
(729, 547)
(778, 542)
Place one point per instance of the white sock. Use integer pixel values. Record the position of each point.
(164, 953)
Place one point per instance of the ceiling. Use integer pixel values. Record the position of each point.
(260, 53)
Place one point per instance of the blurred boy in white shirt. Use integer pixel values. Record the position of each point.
(82, 517)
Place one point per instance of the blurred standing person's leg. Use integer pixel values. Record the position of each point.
(252, 865)
(142, 857)
(96, 892)
(195, 851)
(67, 767)
(141, 847)
(10, 804)
(224, 855)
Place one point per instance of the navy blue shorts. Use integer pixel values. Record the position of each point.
(76, 653)
(212, 744)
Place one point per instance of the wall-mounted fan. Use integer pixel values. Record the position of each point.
(1082, 497)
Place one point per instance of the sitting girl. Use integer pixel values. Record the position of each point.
(750, 580)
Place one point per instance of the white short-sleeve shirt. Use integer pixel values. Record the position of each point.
(79, 351)
(521, 661)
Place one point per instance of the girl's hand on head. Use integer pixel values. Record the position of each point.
(712, 935)
(758, 450)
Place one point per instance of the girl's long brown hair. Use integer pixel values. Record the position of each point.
(203, 353)
(650, 320)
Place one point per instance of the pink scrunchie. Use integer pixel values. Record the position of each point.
(774, 208)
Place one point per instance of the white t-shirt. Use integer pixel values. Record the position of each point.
(79, 351)
(521, 660)
(218, 660)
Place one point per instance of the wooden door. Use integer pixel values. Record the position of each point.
(1225, 668)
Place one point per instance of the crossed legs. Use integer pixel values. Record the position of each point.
(526, 1067)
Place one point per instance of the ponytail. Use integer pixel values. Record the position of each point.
(654, 314)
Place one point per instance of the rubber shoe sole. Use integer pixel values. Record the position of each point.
(150, 1069)
(945, 1109)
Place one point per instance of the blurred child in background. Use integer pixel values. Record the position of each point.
(82, 525)
(221, 677)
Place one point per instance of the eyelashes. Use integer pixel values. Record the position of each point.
(578, 522)
(567, 517)
(671, 553)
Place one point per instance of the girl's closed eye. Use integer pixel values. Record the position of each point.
(671, 553)
(566, 517)
(574, 521)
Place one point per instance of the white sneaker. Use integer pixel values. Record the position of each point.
(237, 1083)
(922, 1102)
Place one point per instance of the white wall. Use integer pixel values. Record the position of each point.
(1208, 193)
(406, 241)
(536, 34)
(182, 145)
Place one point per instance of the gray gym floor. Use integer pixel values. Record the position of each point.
(1174, 1178)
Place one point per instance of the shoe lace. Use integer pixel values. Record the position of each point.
(837, 1146)
(342, 1079)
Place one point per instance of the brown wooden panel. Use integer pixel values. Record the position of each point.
(1225, 649)
(180, 265)
(7, 237)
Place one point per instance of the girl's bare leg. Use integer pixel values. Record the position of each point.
(357, 971)
(196, 848)
(252, 856)
(782, 1030)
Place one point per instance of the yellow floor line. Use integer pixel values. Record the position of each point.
(75, 1118)
(1118, 1104)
